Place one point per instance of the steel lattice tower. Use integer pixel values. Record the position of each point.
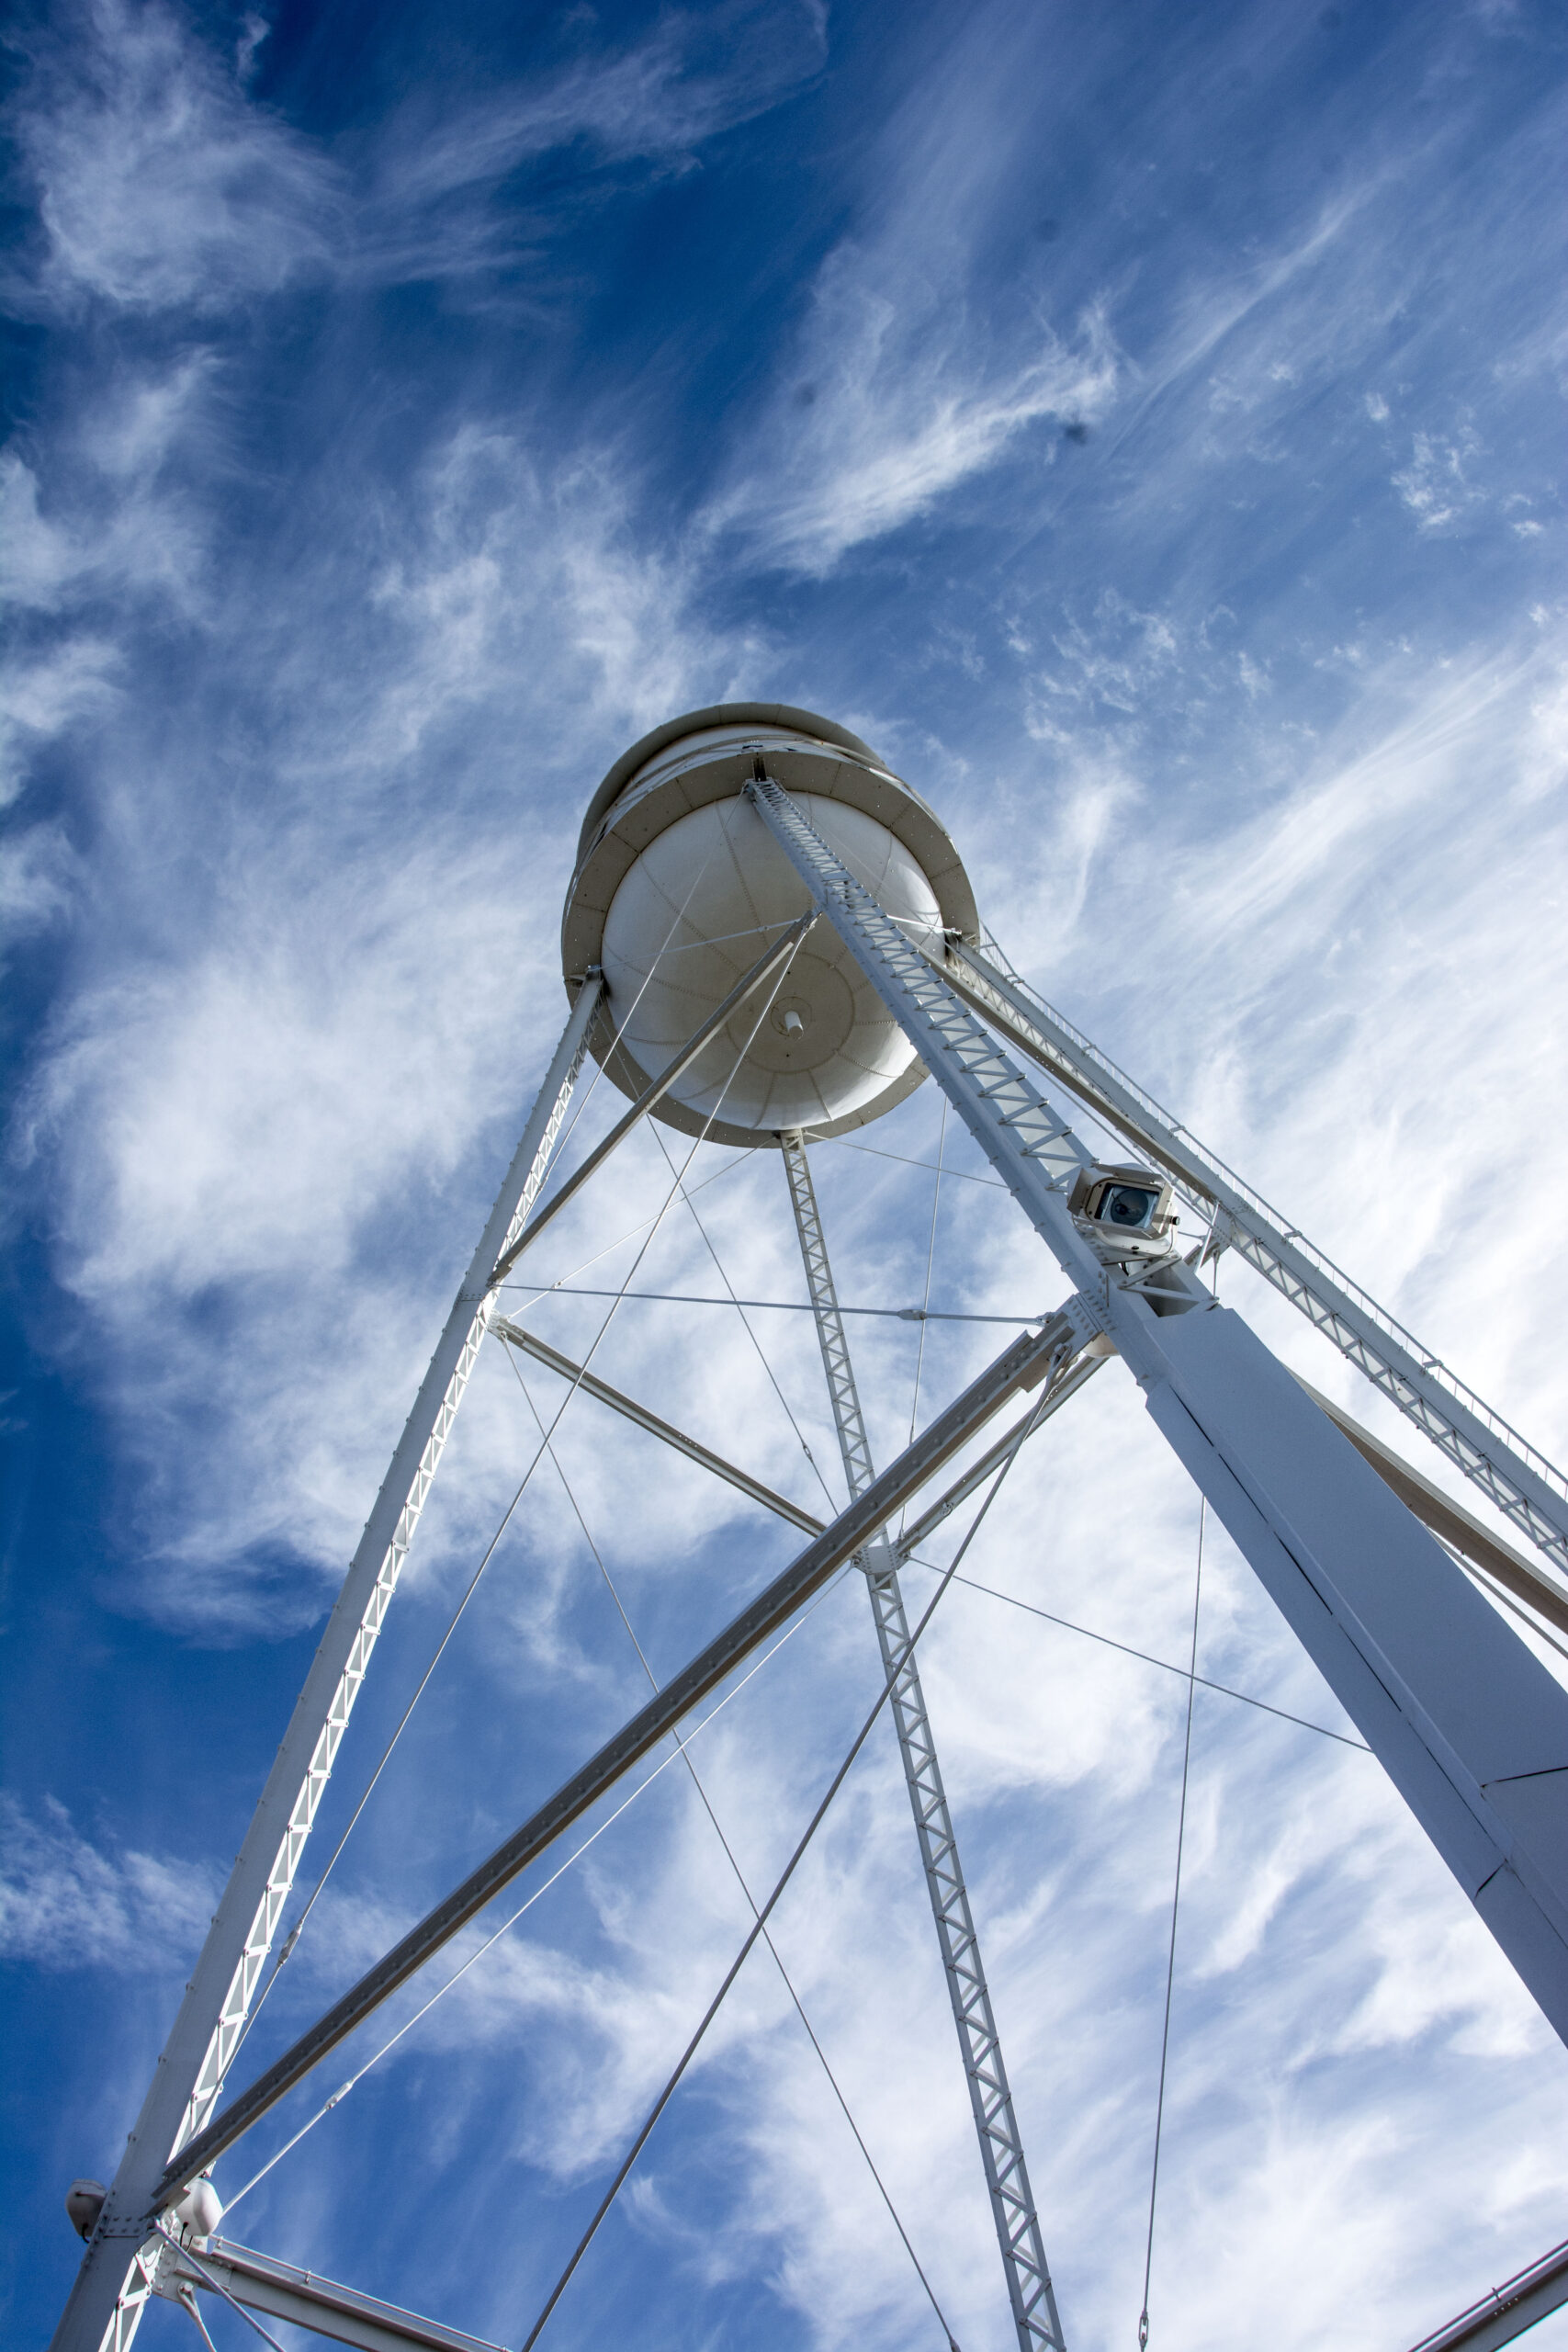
(755, 830)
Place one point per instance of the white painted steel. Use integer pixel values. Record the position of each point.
(105, 2300)
(304, 2299)
(1030, 2292)
(1509, 2311)
(1514, 1475)
(829, 1060)
(589, 1385)
(1031, 1358)
(828, 1046)
(1469, 1727)
(733, 1009)
(697, 737)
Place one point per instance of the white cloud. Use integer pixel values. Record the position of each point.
(297, 1031)
(162, 185)
(692, 77)
(40, 697)
(36, 872)
(337, 1018)
(148, 418)
(37, 559)
(507, 562)
(893, 402)
(254, 31)
(118, 524)
(159, 185)
(65, 1902)
(1436, 486)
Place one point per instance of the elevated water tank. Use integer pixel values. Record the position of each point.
(680, 887)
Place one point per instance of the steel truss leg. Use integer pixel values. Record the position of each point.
(111, 2286)
(1469, 1725)
(1001, 2149)
(1523, 1483)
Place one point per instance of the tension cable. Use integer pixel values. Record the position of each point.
(740, 1305)
(1175, 1907)
(740, 1881)
(1145, 1656)
(287, 1948)
(511, 1920)
(862, 1736)
(291, 1940)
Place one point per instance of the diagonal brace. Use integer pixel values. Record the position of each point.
(761, 971)
(528, 1343)
(1063, 1384)
(305, 2300)
(1022, 1365)
(1066, 1384)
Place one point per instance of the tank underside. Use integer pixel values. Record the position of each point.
(679, 889)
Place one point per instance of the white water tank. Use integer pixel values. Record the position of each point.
(680, 887)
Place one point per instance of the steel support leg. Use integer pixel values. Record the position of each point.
(1512, 1473)
(1469, 1725)
(111, 2286)
(1022, 1365)
(1001, 2150)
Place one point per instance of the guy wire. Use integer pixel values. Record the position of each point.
(288, 1947)
(543, 1889)
(862, 1736)
(740, 1875)
(1175, 1907)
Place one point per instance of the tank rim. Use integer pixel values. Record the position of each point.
(695, 722)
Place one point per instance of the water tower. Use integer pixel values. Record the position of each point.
(680, 885)
(682, 894)
(770, 939)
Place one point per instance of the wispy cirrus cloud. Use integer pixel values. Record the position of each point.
(69, 1904)
(41, 697)
(160, 185)
(690, 78)
(328, 632)
(383, 981)
(1436, 486)
(163, 185)
(891, 413)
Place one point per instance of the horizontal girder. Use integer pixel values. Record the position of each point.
(1022, 1365)
(307, 2300)
(528, 1343)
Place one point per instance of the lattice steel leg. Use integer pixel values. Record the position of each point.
(1001, 2150)
(105, 2302)
(1468, 1724)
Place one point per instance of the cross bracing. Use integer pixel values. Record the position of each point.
(1471, 1727)
(1479, 1786)
(1017, 1367)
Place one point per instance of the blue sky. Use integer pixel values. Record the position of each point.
(1145, 427)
